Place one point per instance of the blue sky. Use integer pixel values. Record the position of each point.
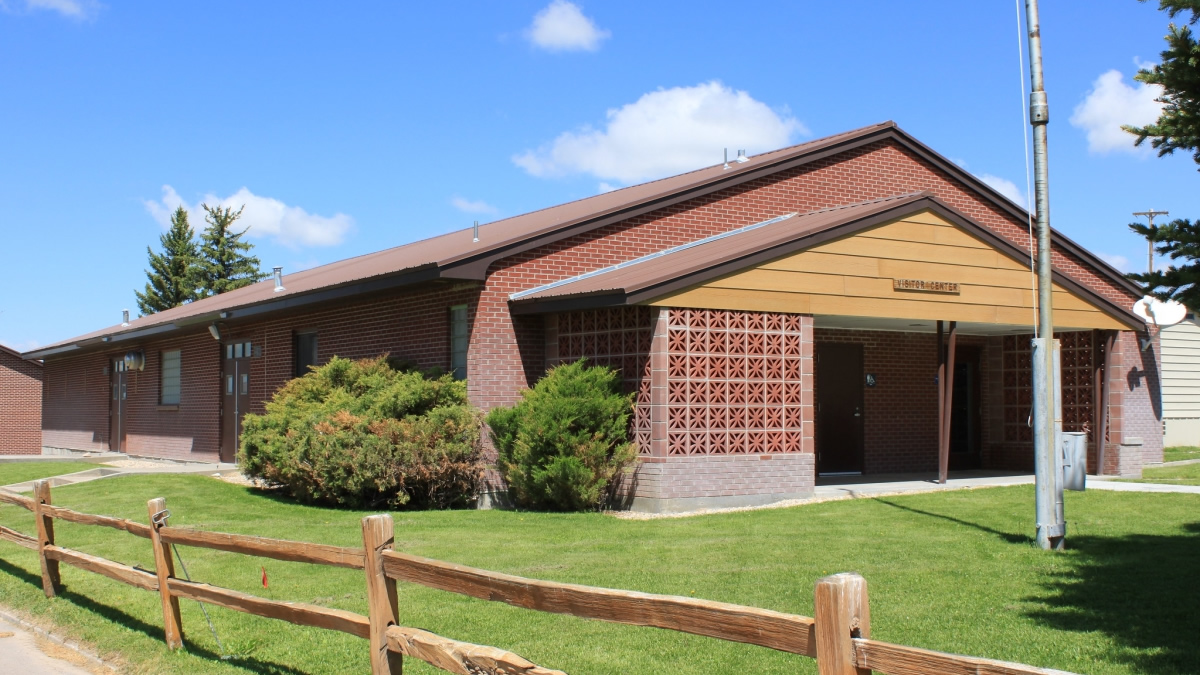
(348, 128)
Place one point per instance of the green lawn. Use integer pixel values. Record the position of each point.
(1187, 474)
(954, 571)
(1178, 452)
(19, 472)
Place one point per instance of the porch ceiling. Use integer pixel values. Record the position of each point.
(922, 326)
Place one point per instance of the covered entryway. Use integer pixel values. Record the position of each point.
(886, 337)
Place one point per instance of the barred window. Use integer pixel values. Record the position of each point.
(170, 384)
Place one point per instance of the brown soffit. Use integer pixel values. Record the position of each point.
(658, 277)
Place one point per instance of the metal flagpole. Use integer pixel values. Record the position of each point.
(1051, 527)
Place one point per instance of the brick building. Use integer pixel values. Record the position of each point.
(20, 404)
(777, 318)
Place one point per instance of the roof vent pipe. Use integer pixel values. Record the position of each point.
(124, 317)
(476, 232)
(279, 280)
(742, 158)
(726, 158)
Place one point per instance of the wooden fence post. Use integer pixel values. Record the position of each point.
(51, 581)
(383, 607)
(842, 613)
(164, 569)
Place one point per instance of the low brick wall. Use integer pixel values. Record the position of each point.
(676, 484)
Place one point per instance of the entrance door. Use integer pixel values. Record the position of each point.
(235, 396)
(965, 422)
(839, 431)
(118, 382)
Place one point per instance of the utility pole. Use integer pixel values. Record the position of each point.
(1150, 240)
(1051, 525)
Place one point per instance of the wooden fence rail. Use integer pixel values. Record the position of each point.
(838, 638)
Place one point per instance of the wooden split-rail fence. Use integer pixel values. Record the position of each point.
(838, 637)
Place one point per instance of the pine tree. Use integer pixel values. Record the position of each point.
(172, 274)
(225, 261)
(1177, 128)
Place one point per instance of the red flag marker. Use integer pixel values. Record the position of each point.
(264, 572)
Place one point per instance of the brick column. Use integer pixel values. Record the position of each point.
(658, 384)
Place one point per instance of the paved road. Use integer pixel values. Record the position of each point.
(20, 653)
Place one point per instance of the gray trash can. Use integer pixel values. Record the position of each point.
(1074, 454)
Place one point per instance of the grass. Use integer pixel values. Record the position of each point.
(1188, 474)
(953, 571)
(19, 472)
(1178, 452)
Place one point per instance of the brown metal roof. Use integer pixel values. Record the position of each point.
(456, 256)
(684, 266)
(685, 261)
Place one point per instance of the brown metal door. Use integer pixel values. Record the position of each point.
(839, 431)
(235, 395)
(118, 396)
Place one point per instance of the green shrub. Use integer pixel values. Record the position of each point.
(564, 443)
(364, 434)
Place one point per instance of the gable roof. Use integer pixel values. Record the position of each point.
(456, 255)
(681, 267)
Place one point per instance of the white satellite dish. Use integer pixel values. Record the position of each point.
(1157, 312)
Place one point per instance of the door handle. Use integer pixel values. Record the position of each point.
(858, 412)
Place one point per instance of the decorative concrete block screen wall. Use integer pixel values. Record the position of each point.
(735, 382)
(618, 337)
(1077, 360)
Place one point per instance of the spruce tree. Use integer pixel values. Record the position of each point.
(1177, 128)
(225, 261)
(171, 279)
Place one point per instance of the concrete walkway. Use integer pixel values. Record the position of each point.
(27, 653)
(1108, 483)
(118, 464)
(892, 484)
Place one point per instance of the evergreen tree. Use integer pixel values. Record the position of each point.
(225, 261)
(171, 279)
(1177, 128)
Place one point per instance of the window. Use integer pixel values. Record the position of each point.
(458, 341)
(168, 391)
(306, 352)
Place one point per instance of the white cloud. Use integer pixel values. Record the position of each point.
(1007, 188)
(72, 9)
(21, 345)
(472, 206)
(665, 132)
(265, 217)
(1112, 103)
(1118, 261)
(561, 27)
(606, 187)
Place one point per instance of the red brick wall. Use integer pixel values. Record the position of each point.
(414, 325)
(78, 401)
(75, 402)
(20, 405)
(1136, 380)
(503, 352)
